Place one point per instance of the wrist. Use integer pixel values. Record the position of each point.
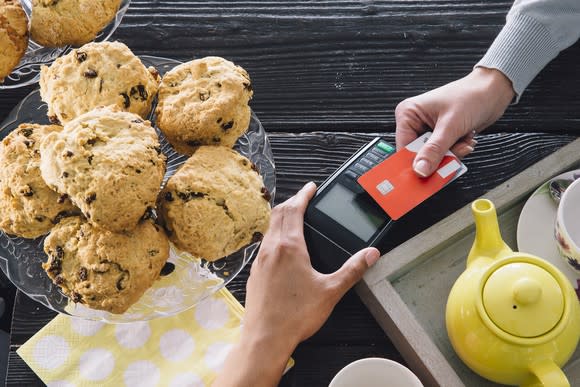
(274, 347)
(496, 85)
(257, 360)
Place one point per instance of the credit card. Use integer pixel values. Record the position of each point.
(398, 189)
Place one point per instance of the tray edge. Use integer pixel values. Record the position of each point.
(387, 307)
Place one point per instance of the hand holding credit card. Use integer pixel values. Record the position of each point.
(396, 187)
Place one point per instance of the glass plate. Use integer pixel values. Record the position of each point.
(27, 71)
(192, 279)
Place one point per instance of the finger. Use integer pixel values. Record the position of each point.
(461, 149)
(287, 219)
(410, 124)
(353, 270)
(404, 135)
(301, 199)
(465, 145)
(274, 229)
(470, 137)
(430, 155)
(294, 208)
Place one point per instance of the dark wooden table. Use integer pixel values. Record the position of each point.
(327, 76)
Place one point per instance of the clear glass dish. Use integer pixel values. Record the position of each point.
(28, 70)
(191, 281)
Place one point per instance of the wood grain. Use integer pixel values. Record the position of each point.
(345, 65)
(351, 332)
(327, 76)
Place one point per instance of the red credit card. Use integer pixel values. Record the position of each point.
(396, 187)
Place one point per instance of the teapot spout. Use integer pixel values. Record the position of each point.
(488, 241)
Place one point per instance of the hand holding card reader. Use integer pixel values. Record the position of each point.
(343, 218)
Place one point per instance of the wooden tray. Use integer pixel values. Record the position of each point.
(407, 290)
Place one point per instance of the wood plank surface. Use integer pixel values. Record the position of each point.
(327, 76)
(344, 65)
(351, 332)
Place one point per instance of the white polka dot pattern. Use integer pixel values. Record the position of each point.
(167, 297)
(176, 345)
(184, 350)
(59, 383)
(216, 355)
(85, 327)
(133, 335)
(96, 364)
(141, 373)
(212, 313)
(188, 379)
(51, 352)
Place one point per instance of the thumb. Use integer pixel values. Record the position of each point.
(431, 154)
(353, 269)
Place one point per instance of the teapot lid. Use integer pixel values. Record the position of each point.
(523, 299)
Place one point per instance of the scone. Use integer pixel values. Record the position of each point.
(70, 22)
(28, 207)
(101, 269)
(204, 102)
(13, 36)
(215, 203)
(97, 74)
(109, 163)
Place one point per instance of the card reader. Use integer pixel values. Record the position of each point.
(343, 218)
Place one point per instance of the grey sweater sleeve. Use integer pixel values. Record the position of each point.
(535, 32)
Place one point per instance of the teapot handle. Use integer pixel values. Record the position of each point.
(546, 374)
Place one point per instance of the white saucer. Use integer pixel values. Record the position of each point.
(535, 233)
(375, 372)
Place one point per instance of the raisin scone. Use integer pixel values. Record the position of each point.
(204, 102)
(28, 207)
(70, 22)
(109, 163)
(101, 269)
(97, 74)
(215, 203)
(13, 36)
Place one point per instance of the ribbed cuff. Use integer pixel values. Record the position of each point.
(520, 51)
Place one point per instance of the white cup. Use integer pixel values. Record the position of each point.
(567, 228)
(375, 372)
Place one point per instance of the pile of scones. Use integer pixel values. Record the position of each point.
(53, 23)
(92, 180)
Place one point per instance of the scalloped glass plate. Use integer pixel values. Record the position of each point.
(191, 281)
(28, 70)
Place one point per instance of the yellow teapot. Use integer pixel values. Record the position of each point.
(513, 318)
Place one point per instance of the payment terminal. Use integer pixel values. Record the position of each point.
(342, 218)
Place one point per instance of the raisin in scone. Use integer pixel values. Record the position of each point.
(109, 163)
(13, 36)
(97, 74)
(215, 203)
(70, 22)
(204, 102)
(28, 207)
(101, 269)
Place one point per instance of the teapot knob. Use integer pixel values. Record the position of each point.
(527, 291)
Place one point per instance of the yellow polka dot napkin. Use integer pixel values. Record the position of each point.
(187, 349)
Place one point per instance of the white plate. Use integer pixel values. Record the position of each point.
(535, 234)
